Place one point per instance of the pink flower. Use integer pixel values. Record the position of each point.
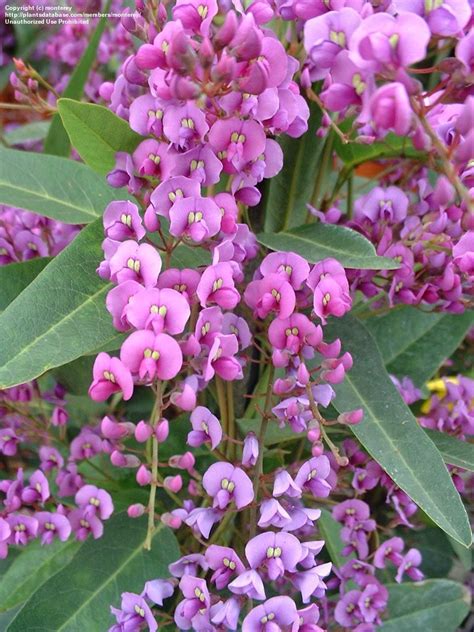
(151, 356)
(110, 376)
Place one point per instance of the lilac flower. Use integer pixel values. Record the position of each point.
(445, 17)
(166, 194)
(289, 264)
(23, 528)
(84, 522)
(201, 164)
(347, 612)
(272, 293)
(134, 614)
(275, 614)
(390, 550)
(390, 109)
(52, 524)
(188, 565)
(183, 281)
(310, 583)
(8, 441)
(86, 445)
(225, 563)
(195, 605)
(94, 501)
(217, 287)
(195, 217)
(226, 613)
(221, 359)
(237, 142)
(312, 475)
(409, 565)
(151, 356)
(248, 583)
(250, 450)
(276, 552)
(206, 427)
(372, 601)
(184, 125)
(5, 533)
(110, 376)
(50, 459)
(38, 489)
(164, 310)
(225, 483)
(157, 590)
(122, 221)
(272, 513)
(135, 262)
(284, 484)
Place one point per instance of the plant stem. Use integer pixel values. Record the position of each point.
(221, 399)
(231, 421)
(155, 415)
(341, 460)
(261, 440)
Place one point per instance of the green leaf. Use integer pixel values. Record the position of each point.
(391, 434)
(408, 349)
(354, 154)
(15, 277)
(79, 597)
(57, 140)
(436, 605)
(318, 241)
(27, 133)
(188, 257)
(289, 191)
(58, 188)
(454, 451)
(31, 568)
(96, 133)
(331, 533)
(60, 316)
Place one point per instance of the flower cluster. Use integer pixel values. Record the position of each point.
(54, 501)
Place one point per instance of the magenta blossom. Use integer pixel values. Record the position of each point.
(225, 483)
(206, 428)
(277, 613)
(110, 376)
(151, 356)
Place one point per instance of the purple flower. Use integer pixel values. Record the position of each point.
(373, 601)
(83, 522)
(463, 253)
(290, 265)
(201, 164)
(86, 445)
(250, 450)
(184, 125)
(390, 109)
(5, 533)
(226, 613)
(134, 614)
(195, 217)
(157, 590)
(347, 612)
(390, 550)
(38, 489)
(217, 287)
(164, 310)
(122, 221)
(221, 359)
(284, 484)
(23, 529)
(382, 40)
(409, 565)
(224, 562)
(237, 142)
(248, 583)
(95, 501)
(135, 262)
(277, 552)
(52, 524)
(50, 459)
(146, 115)
(8, 441)
(188, 565)
(110, 376)
(197, 601)
(225, 483)
(312, 475)
(206, 427)
(310, 583)
(151, 356)
(443, 17)
(275, 614)
(272, 293)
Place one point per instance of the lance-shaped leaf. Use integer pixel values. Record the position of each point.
(96, 133)
(79, 596)
(14, 277)
(34, 565)
(27, 133)
(289, 191)
(56, 187)
(57, 140)
(436, 605)
(409, 349)
(60, 316)
(391, 434)
(319, 241)
(454, 451)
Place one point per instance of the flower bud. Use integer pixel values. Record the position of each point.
(59, 416)
(351, 417)
(174, 522)
(390, 108)
(317, 449)
(119, 459)
(184, 461)
(162, 430)
(112, 429)
(173, 483)
(227, 31)
(143, 431)
(193, 488)
(250, 450)
(143, 476)
(314, 434)
(135, 511)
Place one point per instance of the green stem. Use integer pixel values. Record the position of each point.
(231, 421)
(155, 415)
(341, 460)
(221, 399)
(325, 158)
(261, 441)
